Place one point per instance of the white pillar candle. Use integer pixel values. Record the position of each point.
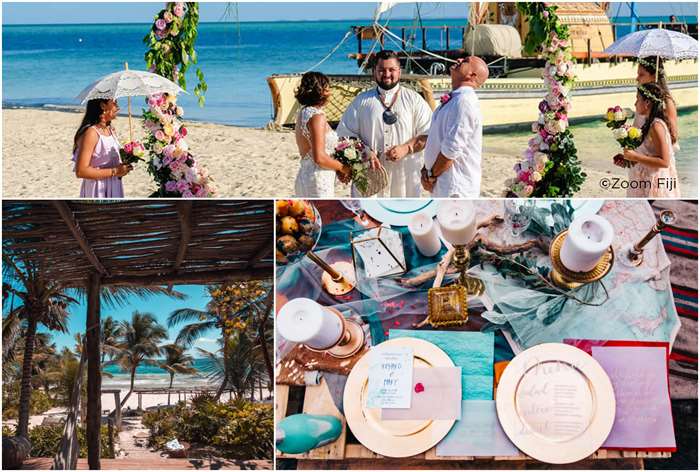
(457, 220)
(302, 320)
(589, 237)
(425, 234)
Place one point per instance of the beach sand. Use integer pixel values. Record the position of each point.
(245, 162)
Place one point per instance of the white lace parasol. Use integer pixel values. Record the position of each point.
(128, 83)
(659, 42)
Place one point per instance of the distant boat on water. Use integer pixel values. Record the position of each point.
(495, 31)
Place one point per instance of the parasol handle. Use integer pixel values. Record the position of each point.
(656, 72)
(128, 101)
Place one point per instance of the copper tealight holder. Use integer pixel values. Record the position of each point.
(570, 280)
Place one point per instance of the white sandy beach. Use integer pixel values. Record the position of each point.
(245, 162)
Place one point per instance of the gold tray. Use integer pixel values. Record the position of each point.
(393, 438)
(555, 403)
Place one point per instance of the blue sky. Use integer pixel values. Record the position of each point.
(110, 12)
(160, 306)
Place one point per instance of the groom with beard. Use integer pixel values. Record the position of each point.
(453, 151)
(392, 121)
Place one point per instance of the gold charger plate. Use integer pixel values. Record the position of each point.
(555, 403)
(393, 438)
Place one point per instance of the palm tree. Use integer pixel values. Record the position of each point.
(138, 344)
(254, 305)
(45, 302)
(42, 302)
(176, 362)
(108, 338)
(236, 365)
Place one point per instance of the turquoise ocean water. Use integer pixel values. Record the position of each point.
(148, 376)
(49, 65)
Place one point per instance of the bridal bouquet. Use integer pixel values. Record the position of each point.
(172, 166)
(616, 117)
(351, 152)
(132, 152)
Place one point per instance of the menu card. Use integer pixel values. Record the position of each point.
(436, 395)
(390, 377)
(643, 417)
(478, 434)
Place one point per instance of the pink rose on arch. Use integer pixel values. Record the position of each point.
(170, 186)
(182, 186)
(179, 10)
(160, 24)
(160, 136)
(169, 150)
(201, 192)
(183, 131)
(187, 194)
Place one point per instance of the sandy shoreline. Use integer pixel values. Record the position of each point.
(245, 162)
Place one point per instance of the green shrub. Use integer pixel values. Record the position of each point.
(248, 431)
(239, 429)
(46, 441)
(39, 403)
(8, 431)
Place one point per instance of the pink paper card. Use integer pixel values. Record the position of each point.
(436, 395)
(639, 376)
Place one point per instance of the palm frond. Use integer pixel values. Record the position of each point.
(188, 314)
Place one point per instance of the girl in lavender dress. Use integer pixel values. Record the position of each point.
(96, 152)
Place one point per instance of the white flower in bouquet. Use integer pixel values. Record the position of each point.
(561, 125)
(619, 115)
(158, 147)
(540, 119)
(541, 158)
(535, 126)
(552, 70)
(544, 146)
(350, 153)
(562, 68)
(620, 133)
(157, 163)
(180, 111)
(536, 176)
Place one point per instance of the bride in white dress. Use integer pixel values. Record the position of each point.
(316, 141)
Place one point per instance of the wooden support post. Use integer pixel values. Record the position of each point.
(94, 377)
(118, 410)
(110, 432)
(139, 407)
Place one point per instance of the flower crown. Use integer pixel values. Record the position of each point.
(651, 65)
(650, 96)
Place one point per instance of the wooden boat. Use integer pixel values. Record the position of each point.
(509, 99)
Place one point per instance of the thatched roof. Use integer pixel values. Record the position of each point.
(141, 242)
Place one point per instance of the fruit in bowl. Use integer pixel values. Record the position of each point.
(298, 229)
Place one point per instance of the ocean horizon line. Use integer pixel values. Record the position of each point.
(344, 20)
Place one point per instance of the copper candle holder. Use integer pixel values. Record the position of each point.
(351, 340)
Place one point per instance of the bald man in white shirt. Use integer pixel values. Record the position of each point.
(453, 150)
(393, 122)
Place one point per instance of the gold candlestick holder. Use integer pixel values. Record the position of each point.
(350, 341)
(632, 255)
(337, 278)
(570, 280)
(461, 261)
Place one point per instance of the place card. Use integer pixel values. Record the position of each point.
(479, 433)
(431, 387)
(643, 419)
(390, 377)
